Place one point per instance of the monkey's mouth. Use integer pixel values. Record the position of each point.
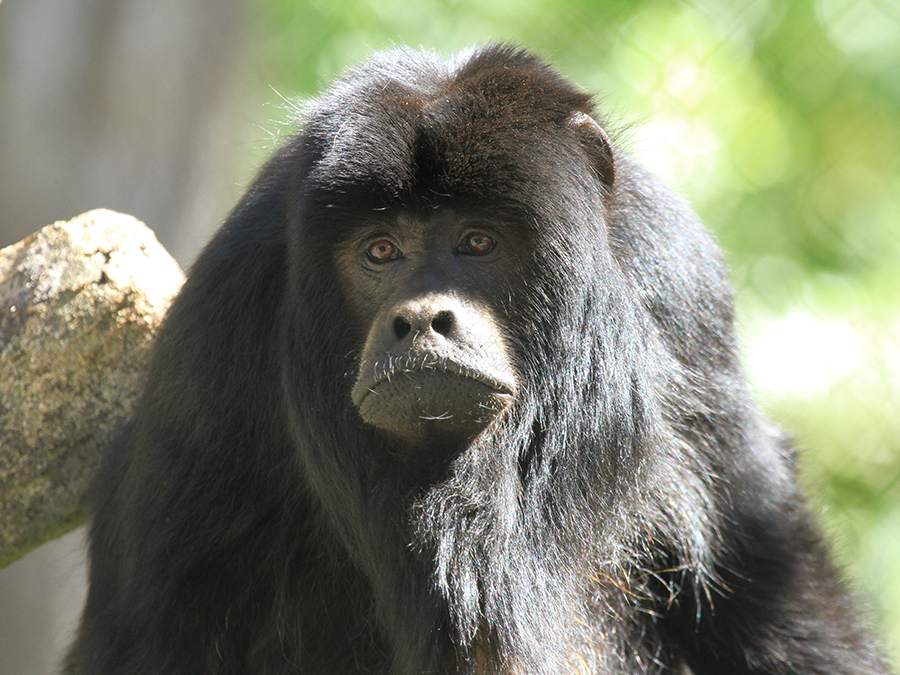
(405, 395)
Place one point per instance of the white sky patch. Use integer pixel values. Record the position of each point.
(678, 150)
(803, 355)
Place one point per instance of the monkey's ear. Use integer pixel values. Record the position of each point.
(597, 146)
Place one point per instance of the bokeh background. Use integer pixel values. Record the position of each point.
(779, 120)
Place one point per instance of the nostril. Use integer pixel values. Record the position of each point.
(442, 323)
(401, 327)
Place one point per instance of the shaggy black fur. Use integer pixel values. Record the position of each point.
(628, 512)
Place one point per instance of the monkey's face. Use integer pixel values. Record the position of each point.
(432, 297)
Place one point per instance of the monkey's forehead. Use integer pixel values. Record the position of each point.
(489, 123)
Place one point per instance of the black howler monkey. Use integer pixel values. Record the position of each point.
(455, 390)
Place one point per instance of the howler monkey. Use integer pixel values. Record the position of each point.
(455, 390)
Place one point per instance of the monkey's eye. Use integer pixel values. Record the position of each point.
(382, 251)
(477, 243)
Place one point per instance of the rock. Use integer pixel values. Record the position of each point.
(79, 304)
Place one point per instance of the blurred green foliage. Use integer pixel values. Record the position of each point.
(780, 122)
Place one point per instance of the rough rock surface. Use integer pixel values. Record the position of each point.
(79, 304)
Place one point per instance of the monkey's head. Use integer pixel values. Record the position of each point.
(444, 188)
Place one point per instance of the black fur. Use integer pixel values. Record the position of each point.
(628, 513)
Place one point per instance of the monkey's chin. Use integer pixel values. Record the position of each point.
(413, 405)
